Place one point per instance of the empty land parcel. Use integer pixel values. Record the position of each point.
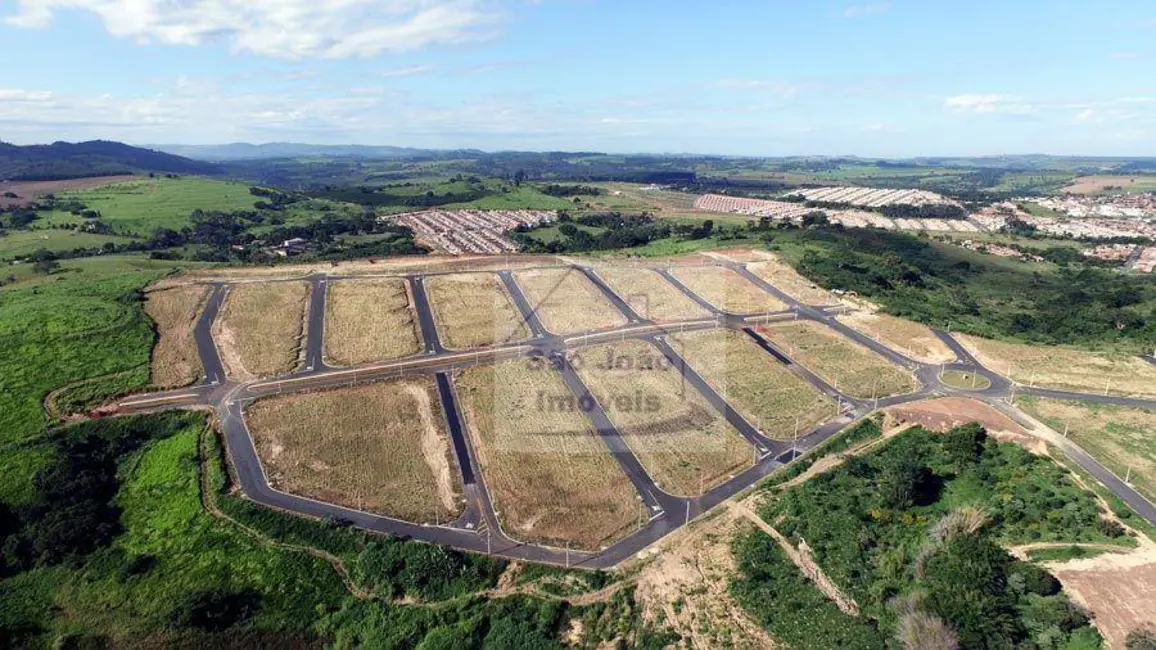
(473, 310)
(552, 478)
(915, 340)
(567, 302)
(369, 320)
(685, 445)
(787, 279)
(850, 367)
(650, 295)
(726, 289)
(259, 329)
(175, 361)
(379, 447)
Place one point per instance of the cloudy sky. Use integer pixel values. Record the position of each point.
(764, 77)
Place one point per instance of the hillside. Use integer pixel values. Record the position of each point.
(61, 160)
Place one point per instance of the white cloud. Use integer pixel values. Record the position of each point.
(1084, 116)
(409, 71)
(24, 96)
(1123, 56)
(869, 9)
(290, 29)
(782, 89)
(988, 104)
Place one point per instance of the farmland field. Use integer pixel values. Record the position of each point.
(380, 448)
(786, 279)
(913, 339)
(850, 367)
(566, 301)
(727, 290)
(21, 243)
(369, 320)
(474, 310)
(685, 445)
(260, 327)
(1135, 183)
(1065, 368)
(143, 205)
(649, 294)
(761, 389)
(175, 361)
(551, 476)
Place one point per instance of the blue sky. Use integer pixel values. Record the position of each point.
(753, 77)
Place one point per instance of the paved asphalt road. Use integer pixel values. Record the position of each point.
(479, 529)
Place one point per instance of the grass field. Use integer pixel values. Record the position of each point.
(141, 206)
(1121, 437)
(1065, 368)
(473, 310)
(786, 279)
(551, 476)
(761, 389)
(380, 448)
(260, 328)
(727, 290)
(518, 198)
(686, 446)
(965, 380)
(175, 361)
(650, 295)
(21, 243)
(567, 302)
(552, 233)
(369, 320)
(851, 368)
(913, 339)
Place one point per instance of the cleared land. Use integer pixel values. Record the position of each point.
(1119, 590)
(727, 290)
(175, 361)
(1121, 437)
(369, 320)
(551, 476)
(142, 205)
(567, 302)
(1096, 184)
(852, 368)
(1065, 368)
(685, 445)
(474, 310)
(761, 389)
(786, 279)
(27, 191)
(380, 448)
(260, 327)
(22, 243)
(915, 340)
(650, 295)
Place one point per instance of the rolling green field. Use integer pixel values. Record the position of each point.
(20, 243)
(141, 206)
(518, 198)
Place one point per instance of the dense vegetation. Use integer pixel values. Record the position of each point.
(97, 158)
(613, 230)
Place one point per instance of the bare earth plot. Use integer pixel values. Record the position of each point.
(727, 290)
(650, 295)
(473, 310)
(685, 445)
(551, 477)
(850, 367)
(1065, 368)
(1120, 590)
(175, 361)
(378, 448)
(369, 320)
(1121, 437)
(786, 279)
(567, 302)
(915, 340)
(764, 391)
(260, 327)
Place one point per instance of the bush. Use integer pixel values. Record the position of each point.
(215, 609)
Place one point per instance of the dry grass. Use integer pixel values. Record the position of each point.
(551, 476)
(1065, 368)
(175, 361)
(369, 320)
(1096, 184)
(379, 448)
(727, 290)
(915, 340)
(473, 310)
(852, 368)
(1121, 437)
(260, 327)
(784, 277)
(567, 302)
(683, 443)
(761, 389)
(650, 295)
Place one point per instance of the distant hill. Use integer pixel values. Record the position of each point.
(246, 151)
(62, 160)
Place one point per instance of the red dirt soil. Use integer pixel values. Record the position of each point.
(946, 413)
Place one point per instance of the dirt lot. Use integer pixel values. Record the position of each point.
(1119, 589)
(474, 310)
(380, 448)
(1120, 437)
(27, 191)
(551, 476)
(650, 295)
(946, 413)
(175, 361)
(913, 339)
(685, 445)
(852, 368)
(761, 389)
(1065, 368)
(567, 302)
(260, 328)
(369, 320)
(1094, 184)
(727, 290)
(786, 279)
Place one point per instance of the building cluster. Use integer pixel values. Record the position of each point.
(783, 210)
(1146, 263)
(458, 232)
(1119, 206)
(1111, 252)
(996, 217)
(999, 250)
(870, 197)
